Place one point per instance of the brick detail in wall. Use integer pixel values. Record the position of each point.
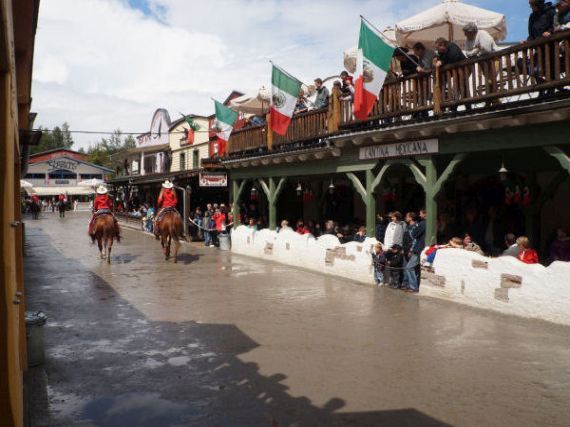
(268, 250)
(480, 264)
(508, 281)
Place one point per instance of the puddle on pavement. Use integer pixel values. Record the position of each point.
(137, 409)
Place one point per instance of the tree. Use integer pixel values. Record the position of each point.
(67, 139)
(59, 137)
(100, 153)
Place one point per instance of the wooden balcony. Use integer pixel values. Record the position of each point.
(524, 74)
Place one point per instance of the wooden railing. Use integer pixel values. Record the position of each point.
(519, 73)
(248, 139)
(303, 127)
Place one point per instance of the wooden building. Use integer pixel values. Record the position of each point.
(489, 136)
(18, 22)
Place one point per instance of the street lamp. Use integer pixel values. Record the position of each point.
(331, 187)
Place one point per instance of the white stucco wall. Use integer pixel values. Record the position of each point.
(501, 284)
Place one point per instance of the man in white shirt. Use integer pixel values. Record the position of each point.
(479, 42)
(394, 231)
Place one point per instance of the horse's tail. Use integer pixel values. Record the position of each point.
(117, 231)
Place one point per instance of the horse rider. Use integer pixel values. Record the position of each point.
(102, 206)
(167, 201)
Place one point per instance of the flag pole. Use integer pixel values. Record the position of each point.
(389, 41)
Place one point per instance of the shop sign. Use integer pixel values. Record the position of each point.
(211, 179)
(65, 163)
(400, 149)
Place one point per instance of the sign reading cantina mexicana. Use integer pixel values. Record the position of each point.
(400, 149)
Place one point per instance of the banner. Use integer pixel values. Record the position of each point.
(213, 179)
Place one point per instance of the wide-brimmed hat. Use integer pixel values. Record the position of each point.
(167, 184)
(102, 189)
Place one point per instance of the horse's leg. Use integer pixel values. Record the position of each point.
(109, 250)
(176, 247)
(100, 244)
(168, 241)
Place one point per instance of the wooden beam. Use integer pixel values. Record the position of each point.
(458, 158)
(357, 185)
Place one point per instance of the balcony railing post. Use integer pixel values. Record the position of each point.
(269, 132)
(333, 114)
(437, 91)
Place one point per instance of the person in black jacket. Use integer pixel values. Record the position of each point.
(541, 20)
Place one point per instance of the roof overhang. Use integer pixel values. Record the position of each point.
(283, 157)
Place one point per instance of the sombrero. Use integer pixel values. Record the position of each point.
(167, 184)
(101, 189)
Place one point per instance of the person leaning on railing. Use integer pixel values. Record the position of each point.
(450, 53)
(562, 17)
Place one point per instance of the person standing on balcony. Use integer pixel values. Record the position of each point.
(322, 100)
(449, 53)
(562, 17)
(541, 20)
(478, 42)
(425, 58)
(408, 63)
(347, 88)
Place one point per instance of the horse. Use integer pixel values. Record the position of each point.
(170, 229)
(35, 209)
(104, 231)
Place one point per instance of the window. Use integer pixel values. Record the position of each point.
(195, 159)
(150, 164)
(62, 174)
(35, 176)
(182, 161)
(91, 176)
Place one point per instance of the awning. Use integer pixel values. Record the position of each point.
(56, 191)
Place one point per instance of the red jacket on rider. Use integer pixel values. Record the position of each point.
(35, 198)
(167, 198)
(102, 201)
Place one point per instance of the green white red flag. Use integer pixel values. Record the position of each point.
(284, 93)
(372, 65)
(225, 120)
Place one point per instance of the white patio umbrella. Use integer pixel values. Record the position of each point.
(351, 54)
(93, 182)
(253, 103)
(447, 20)
(25, 184)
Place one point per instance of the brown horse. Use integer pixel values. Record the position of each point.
(170, 230)
(105, 231)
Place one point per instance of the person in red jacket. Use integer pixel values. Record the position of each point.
(102, 205)
(526, 253)
(167, 201)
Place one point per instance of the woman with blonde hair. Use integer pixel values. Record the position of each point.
(526, 253)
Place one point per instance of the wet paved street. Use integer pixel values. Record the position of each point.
(222, 340)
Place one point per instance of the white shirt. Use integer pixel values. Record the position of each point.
(482, 43)
(394, 235)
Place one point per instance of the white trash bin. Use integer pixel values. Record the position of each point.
(225, 243)
(35, 337)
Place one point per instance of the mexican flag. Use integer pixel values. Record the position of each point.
(225, 119)
(284, 93)
(373, 63)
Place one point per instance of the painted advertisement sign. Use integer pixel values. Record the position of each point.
(400, 149)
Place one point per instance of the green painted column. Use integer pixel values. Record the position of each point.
(431, 202)
(272, 205)
(237, 189)
(370, 203)
(272, 192)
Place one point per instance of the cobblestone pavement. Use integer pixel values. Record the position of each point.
(224, 340)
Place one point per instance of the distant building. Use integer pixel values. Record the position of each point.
(61, 171)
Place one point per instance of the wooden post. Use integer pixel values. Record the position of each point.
(367, 193)
(437, 92)
(333, 114)
(431, 203)
(269, 132)
(186, 201)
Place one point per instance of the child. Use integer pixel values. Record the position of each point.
(378, 261)
(394, 262)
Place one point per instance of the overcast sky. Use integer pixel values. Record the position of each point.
(107, 64)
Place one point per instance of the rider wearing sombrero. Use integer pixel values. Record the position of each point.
(102, 206)
(167, 200)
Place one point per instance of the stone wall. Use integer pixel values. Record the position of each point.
(501, 284)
